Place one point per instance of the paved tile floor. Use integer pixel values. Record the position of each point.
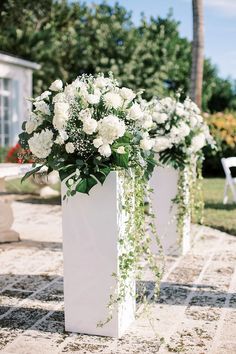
(196, 311)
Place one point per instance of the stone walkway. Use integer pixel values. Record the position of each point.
(196, 312)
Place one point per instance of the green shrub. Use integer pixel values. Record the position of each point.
(223, 129)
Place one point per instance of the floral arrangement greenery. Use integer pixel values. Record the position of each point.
(86, 129)
(178, 130)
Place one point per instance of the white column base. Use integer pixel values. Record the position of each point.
(92, 225)
(164, 183)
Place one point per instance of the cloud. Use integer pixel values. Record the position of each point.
(228, 7)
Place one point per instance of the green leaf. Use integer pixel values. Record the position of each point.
(31, 172)
(86, 184)
(121, 160)
(66, 171)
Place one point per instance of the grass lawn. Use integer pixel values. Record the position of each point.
(216, 214)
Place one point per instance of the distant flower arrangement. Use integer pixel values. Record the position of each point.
(86, 129)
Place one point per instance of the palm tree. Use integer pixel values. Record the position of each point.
(197, 53)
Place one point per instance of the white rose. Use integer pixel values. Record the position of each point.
(105, 150)
(40, 143)
(112, 100)
(59, 140)
(70, 148)
(97, 142)
(61, 115)
(161, 144)
(127, 94)
(135, 112)
(120, 150)
(43, 107)
(111, 128)
(57, 85)
(70, 91)
(90, 126)
(146, 144)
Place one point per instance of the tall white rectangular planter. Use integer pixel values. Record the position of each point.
(92, 225)
(164, 183)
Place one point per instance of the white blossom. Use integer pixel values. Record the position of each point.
(40, 143)
(111, 128)
(33, 122)
(127, 94)
(90, 126)
(105, 150)
(70, 148)
(61, 115)
(146, 144)
(112, 100)
(57, 85)
(160, 118)
(45, 95)
(43, 107)
(161, 143)
(97, 142)
(121, 150)
(135, 112)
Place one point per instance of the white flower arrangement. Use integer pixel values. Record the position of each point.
(178, 130)
(91, 125)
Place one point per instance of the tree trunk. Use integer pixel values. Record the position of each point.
(197, 53)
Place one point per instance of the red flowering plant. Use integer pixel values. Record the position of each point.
(17, 154)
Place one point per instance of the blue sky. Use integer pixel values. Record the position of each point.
(220, 25)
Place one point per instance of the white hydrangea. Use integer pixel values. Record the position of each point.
(90, 126)
(40, 143)
(43, 107)
(127, 94)
(33, 122)
(105, 150)
(70, 148)
(161, 143)
(180, 110)
(147, 121)
(177, 134)
(110, 128)
(112, 100)
(135, 112)
(61, 115)
(57, 85)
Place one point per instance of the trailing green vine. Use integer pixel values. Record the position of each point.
(135, 240)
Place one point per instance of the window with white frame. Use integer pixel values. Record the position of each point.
(5, 111)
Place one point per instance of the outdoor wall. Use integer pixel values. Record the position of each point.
(21, 88)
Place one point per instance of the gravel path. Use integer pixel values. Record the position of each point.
(196, 311)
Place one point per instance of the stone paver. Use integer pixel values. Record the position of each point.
(196, 311)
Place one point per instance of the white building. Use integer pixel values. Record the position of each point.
(15, 87)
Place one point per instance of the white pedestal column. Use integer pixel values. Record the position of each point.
(92, 225)
(6, 218)
(164, 183)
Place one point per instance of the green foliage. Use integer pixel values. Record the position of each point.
(223, 130)
(71, 38)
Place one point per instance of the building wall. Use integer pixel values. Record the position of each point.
(21, 88)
